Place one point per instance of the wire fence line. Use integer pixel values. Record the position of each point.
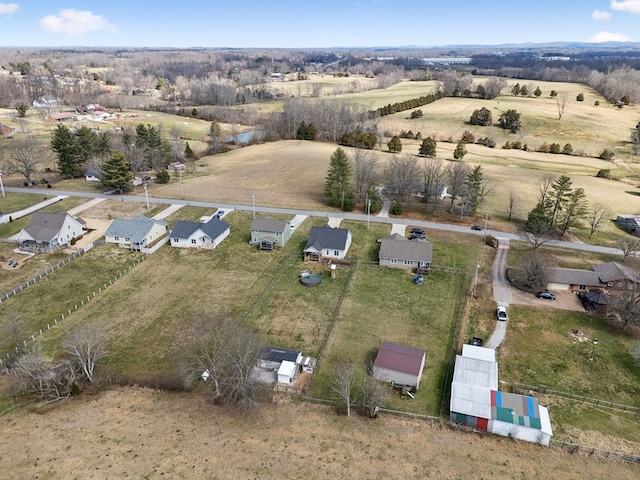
(543, 390)
(596, 452)
(9, 355)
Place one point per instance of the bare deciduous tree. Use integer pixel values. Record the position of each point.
(624, 311)
(513, 201)
(456, 174)
(224, 355)
(364, 171)
(374, 394)
(562, 102)
(25, 157)
(432, 180)
(628, 246)
(530, 273)
(87, 346)
(342, 384)
(597, 214)
(38, 375)
(402, 177)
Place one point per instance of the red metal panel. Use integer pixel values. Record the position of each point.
(483, 423)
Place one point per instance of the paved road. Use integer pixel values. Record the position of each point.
(311, 213)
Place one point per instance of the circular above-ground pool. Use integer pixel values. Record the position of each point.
(312, 280)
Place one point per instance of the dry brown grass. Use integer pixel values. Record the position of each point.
(140, 433)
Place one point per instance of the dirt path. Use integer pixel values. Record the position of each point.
(139, 433)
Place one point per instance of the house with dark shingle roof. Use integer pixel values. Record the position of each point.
(397, 251)
(267, 233)
(327, 242)
(199, 235)
(50, 231)
(137, 233)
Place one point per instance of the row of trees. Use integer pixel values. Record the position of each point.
(351, 181)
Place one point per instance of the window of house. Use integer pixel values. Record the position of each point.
(610, 284)
(336, 253)
(620, 284)
(422, 264)
(583, 287)
(630, 286)
(127, 239)
(193, 241)
(117, 239)
(394, 261)
(408, 262)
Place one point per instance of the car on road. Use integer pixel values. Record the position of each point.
(418, 231)
(417, 237)
(546, 295)
(477, 227)
(501, 313)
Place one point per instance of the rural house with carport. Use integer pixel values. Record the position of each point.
(399, 364)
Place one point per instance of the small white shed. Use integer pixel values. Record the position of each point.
(288, 372)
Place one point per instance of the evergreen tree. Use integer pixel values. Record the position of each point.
(67, 147)
(580, 97)
(515, 90)
(510, 120)
(524, 91)
(116, 173)
(553, 94)
(481, 117)
(575, 210)
(460, 151)
(537, 92)
(338, 191)
(474, 188)
(188, 152)
(162, 176)
(395, 144)
(561, 191)
(428, 147)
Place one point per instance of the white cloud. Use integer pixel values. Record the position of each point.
(6, 8)
(75, 22)
(600, 15)
(631, 6)
(609, 37)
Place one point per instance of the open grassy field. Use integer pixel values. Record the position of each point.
(138, 433)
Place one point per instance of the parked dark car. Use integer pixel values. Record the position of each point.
(476, 341)
(477, 227)
(417, 237)
(546, 295)
(418, 231)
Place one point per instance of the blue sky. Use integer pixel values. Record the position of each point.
(307, 24)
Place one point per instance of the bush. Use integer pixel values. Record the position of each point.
(416, 114)
(481, 117)
(507, 145)
(162, 176)
(580, 97)
(607, 155)
(567, 149)
(468, 137)
(517, 145)
(487, 142)
(397, 209)
(604, 173)
(555, 148)
(544, 148)
(597, 103)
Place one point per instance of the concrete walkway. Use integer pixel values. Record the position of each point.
(398, 228)
(334, 222)
(501, 291)
(167, 211)
(86, 205)
(386, 205)
(296, 221)
(33, 208)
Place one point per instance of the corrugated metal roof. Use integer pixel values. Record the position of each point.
(479, 353)
(476, 373)
(471, 400)
(399, 358)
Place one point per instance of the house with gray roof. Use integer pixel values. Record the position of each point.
(268, 233)
(611, 277)
(397, 251)
(136, 233)
(199, 235)
(50, 231)
(327, 242)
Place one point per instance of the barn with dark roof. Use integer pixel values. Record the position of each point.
(399, 364)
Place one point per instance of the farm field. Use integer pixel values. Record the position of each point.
(150, 433)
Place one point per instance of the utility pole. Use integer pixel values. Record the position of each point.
(253, 202)
(368, 210)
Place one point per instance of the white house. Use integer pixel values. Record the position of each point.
(137, 233)
(288, 372)
(399, 364)
(49, 231)
(199, 235)
(327, 242)
(477, 402)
